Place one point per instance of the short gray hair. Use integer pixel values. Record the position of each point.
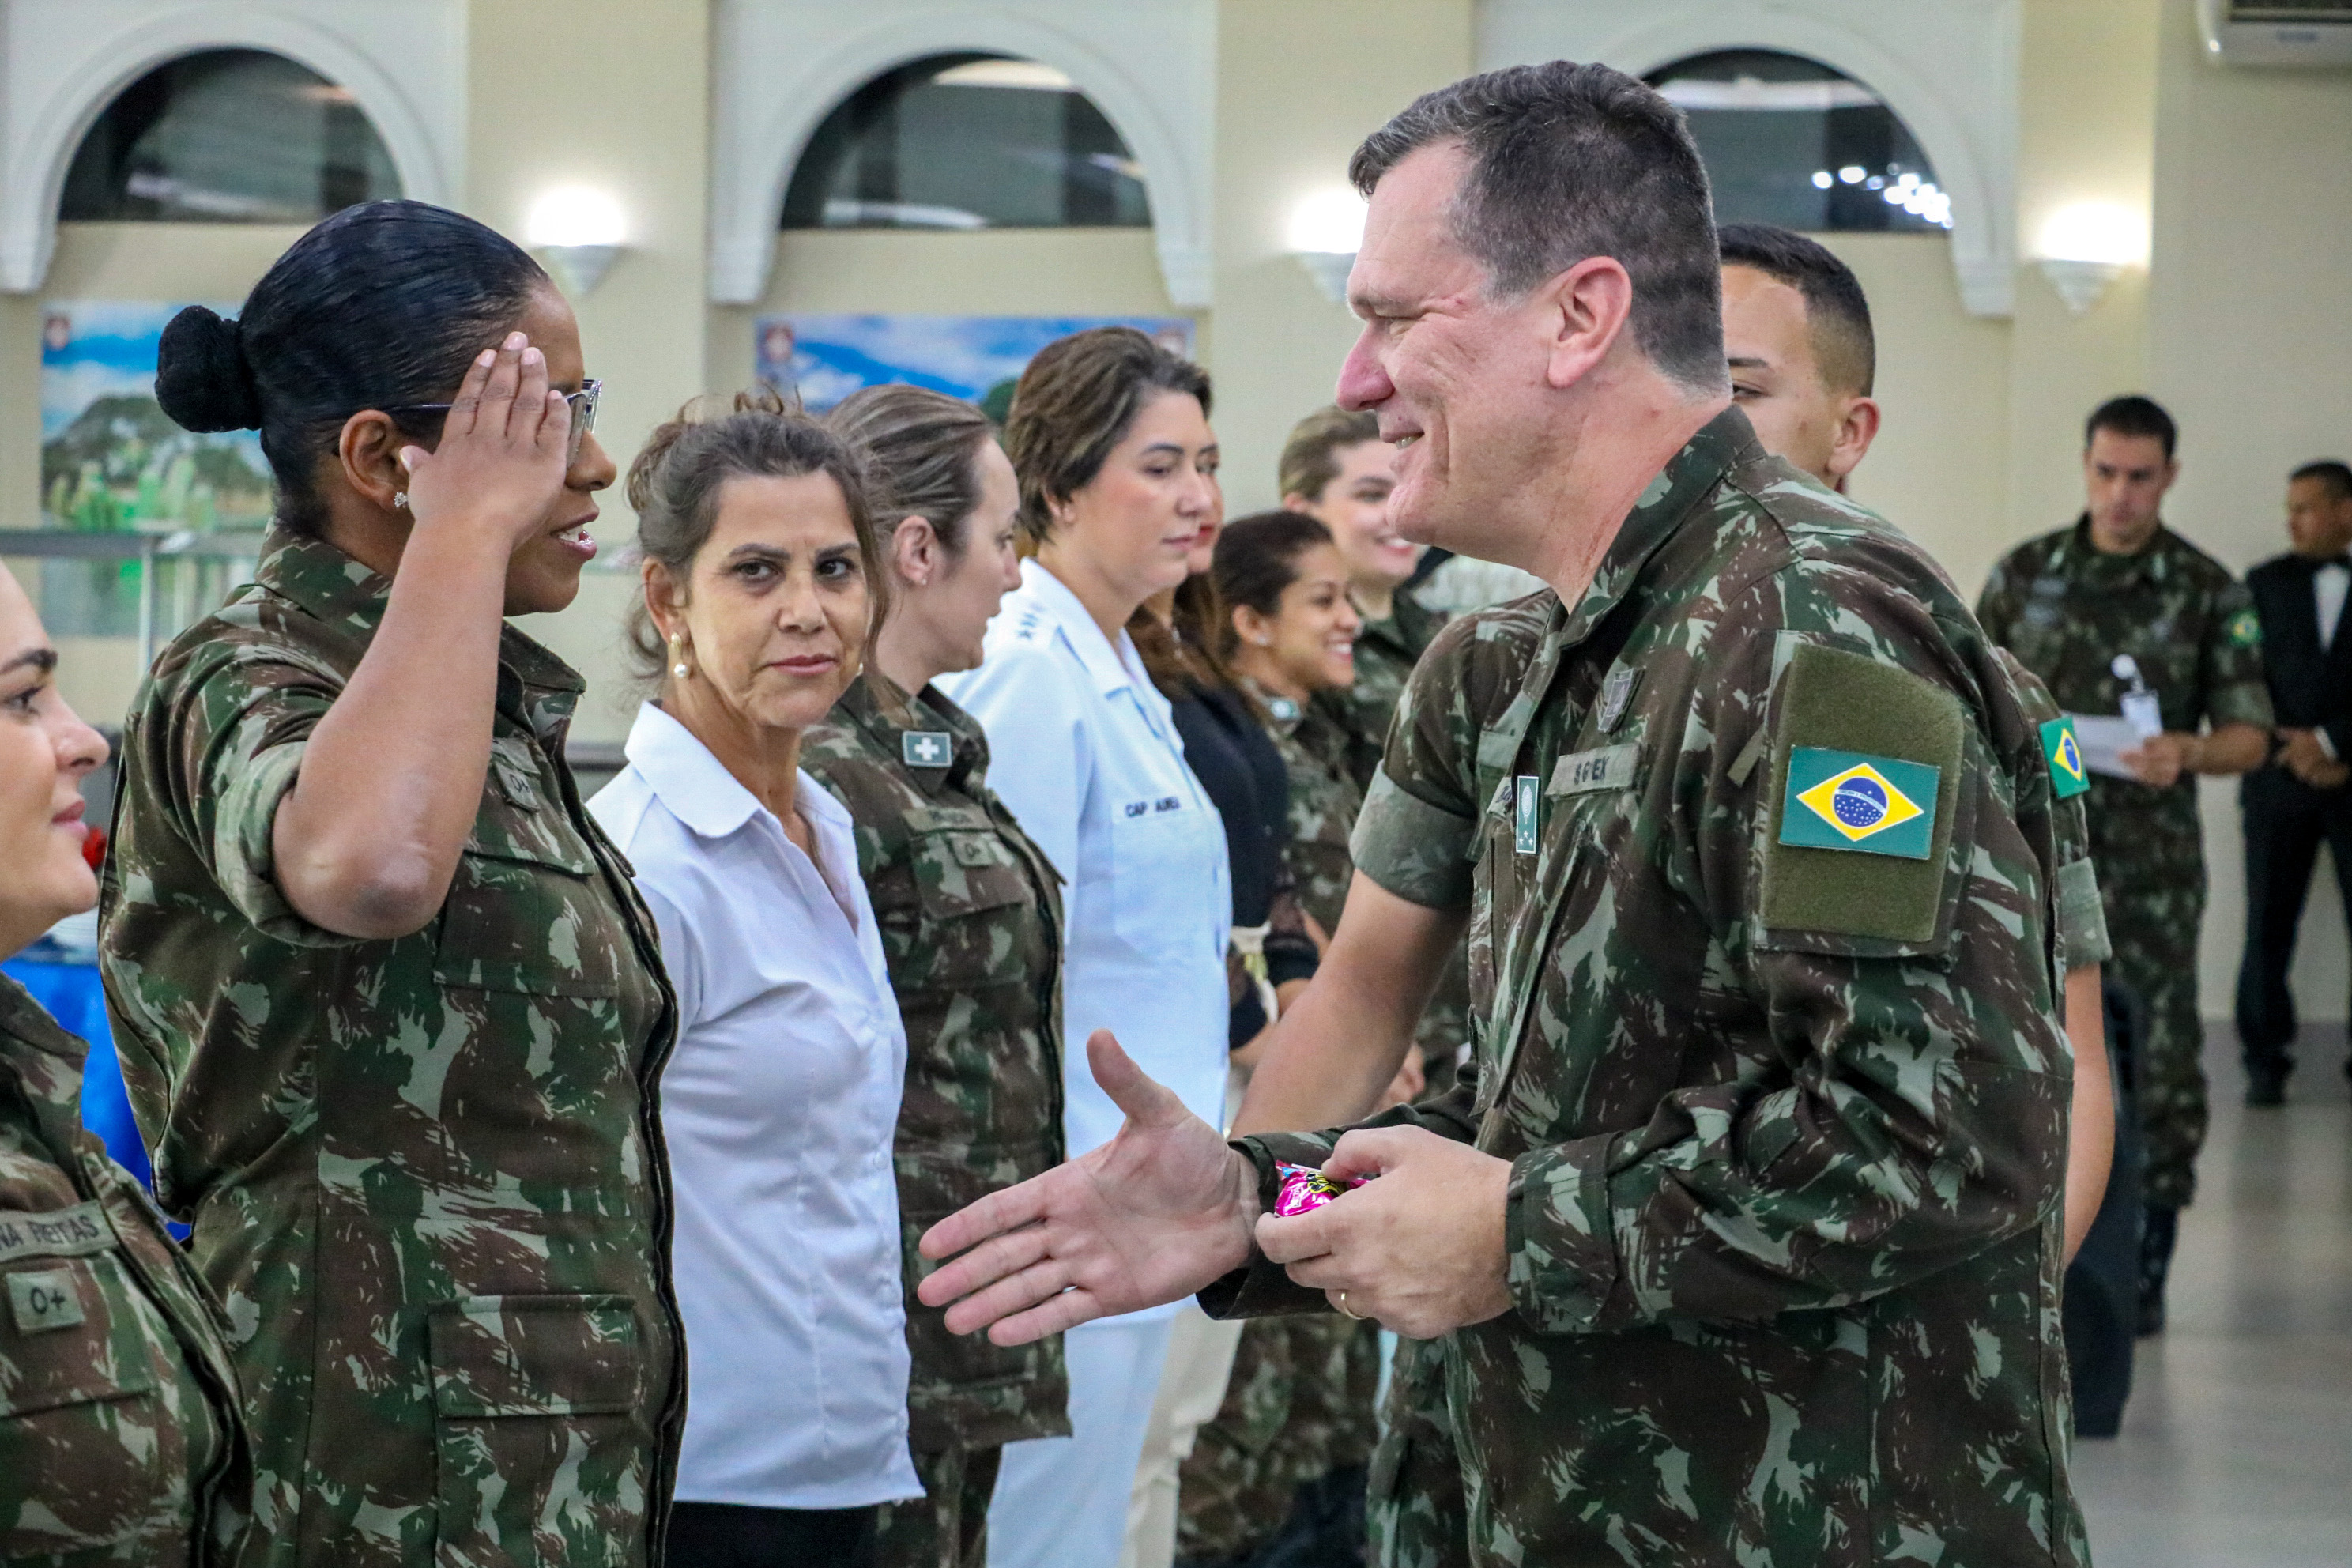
(1568, 162)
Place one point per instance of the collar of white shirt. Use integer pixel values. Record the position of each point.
(696, 788)
(1106, 664)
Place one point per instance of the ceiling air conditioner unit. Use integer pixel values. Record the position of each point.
(2277, 32)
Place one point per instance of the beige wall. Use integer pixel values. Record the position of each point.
(614, 94)
(1298, 85)
(1937, 468)
(2249, 340)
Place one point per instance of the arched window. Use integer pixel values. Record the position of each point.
(227, 136)
(963, 142)
(1790, 140)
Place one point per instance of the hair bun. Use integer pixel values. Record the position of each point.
(202, 377)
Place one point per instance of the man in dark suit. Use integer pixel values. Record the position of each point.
(2299, 799)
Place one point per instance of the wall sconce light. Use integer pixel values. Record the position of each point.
(1326, 229)
(2089, 244)
(579, 230)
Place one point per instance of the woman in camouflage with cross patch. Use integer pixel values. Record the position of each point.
(389, 1010)
(120, 1437)
(970, 915)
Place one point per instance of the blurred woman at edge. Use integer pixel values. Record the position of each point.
(1109, 438)
(121, 1439)
(971, 916)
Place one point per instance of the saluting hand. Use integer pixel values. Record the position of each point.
(1159, 1211)
(1421, 1250)
(505, 446)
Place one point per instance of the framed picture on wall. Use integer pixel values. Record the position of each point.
(977, 358)
(113, 462)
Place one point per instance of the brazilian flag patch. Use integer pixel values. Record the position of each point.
(2064, 755)
(2245, 629)
(1844, 800)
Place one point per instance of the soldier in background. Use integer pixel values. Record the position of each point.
(120, 1438)
(1702, 807)
(971, 918)
(2130, 623)
(1338, 470)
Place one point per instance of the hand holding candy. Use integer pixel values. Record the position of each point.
(1304, 1190)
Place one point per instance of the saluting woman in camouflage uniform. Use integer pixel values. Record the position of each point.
(119, 1435)
(1285, 1459)
(970, 919)
(390, 1011)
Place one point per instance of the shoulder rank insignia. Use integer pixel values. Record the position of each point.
(2068, 777)
(927, 748)
(1844, 800)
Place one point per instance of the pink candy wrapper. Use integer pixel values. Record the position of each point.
(1304, 1190)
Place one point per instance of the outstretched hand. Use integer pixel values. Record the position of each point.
(1159, 1212)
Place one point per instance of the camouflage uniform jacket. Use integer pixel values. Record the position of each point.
(1386, 651)
(971, 914)
(427, 1175)
(119, 1435)
(1324, 800)
(1787, 1125)
(2067, 609)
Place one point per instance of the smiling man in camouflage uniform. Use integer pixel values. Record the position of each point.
(1744, 1245)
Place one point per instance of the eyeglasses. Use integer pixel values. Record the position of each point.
(582, 403)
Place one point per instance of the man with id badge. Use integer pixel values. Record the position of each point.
(2156, 651)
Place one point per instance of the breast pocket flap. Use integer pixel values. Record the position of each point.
(533, 1355)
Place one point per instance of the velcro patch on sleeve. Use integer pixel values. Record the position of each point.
(1866, 787)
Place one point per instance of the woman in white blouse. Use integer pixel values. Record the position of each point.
(1110, 437)
(761, 594)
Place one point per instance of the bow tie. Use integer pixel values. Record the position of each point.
(2342, 561)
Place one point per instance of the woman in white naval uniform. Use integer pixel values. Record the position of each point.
(1109, 434)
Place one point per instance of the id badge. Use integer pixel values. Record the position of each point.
(1526, 795)
(2142, 713)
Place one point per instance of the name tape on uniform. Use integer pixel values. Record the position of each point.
(1874, 806)
(1607, 767)
(77, 1232)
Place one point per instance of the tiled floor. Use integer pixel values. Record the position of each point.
(2237, 1446)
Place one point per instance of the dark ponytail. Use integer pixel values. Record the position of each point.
(382, 306)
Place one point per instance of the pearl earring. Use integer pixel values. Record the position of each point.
(678, 655)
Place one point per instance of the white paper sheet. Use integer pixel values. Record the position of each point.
(2104, 738)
